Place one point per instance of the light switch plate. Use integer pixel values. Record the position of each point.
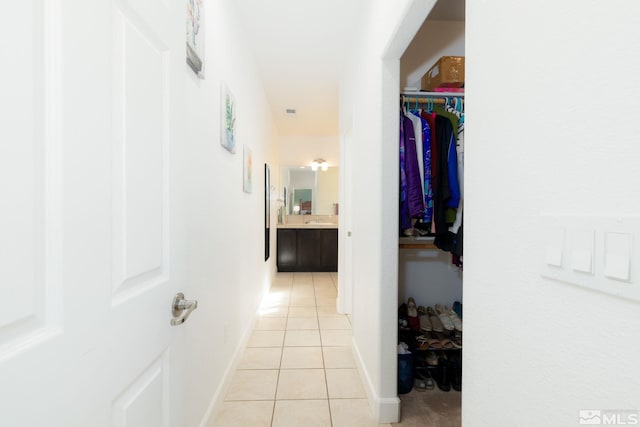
(617, 255)
(582, 251)
(598, 252)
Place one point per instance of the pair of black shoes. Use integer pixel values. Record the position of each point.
(448, 373)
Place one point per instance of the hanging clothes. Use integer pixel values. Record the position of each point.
(405, 218)
(431, 175)
(415, 199)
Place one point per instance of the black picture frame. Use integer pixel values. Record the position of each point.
(267, 211)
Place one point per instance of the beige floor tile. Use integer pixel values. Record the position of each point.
(301, 413)
(338, 357)
(309, 338)
(271, 324)
(327, 294)
(303, 302)
(352, 413)
(277, 297)
(256, 413)
(327, 310)
(302, 312)
(336, 338)
(253, 385)
(274, 311)
(325, 301)
(266, 339)
(334, 322)
(261, 358)
(301, 384)
(344, 384)
(305, 294)
(300, 323)
(302, 358)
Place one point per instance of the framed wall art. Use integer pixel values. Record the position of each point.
(195, 35)
(247, 166)
(227, 119)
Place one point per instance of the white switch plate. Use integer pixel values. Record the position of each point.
(598, 252)
(617, 255)
(582, 242)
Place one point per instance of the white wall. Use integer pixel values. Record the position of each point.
(225, 226)
(368, 110)
(428, 276)
(435, 39)
(302, 150)
(551, 99)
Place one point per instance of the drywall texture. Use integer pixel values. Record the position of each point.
(302, 150)
(547, 130)
(368, 113)
(225, 226)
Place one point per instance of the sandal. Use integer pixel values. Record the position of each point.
(425, 324)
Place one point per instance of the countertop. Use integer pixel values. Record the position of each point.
(309, 226)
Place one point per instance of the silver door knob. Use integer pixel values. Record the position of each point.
(181, 308)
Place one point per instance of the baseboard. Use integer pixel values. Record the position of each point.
(384, 410)
(218, 397)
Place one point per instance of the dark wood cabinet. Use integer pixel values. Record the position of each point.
(307, 249)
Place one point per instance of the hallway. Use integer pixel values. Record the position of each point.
(298, 368)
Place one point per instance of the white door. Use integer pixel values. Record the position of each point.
(89, 236)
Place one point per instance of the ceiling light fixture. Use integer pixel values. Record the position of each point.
(319, 162)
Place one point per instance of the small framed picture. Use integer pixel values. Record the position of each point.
(227, 119)
(195, 35)
(247, 181)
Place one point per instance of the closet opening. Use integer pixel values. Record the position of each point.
(430, 246)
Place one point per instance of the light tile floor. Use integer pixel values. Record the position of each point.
(298, 368)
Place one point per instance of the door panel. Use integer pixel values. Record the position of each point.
(144, 401)
(27, 154)
(140, 128)
(90, 248)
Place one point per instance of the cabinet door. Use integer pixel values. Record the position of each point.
(329, 250)
(309, 250)
(286, 258)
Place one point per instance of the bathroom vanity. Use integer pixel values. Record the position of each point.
(307, 247)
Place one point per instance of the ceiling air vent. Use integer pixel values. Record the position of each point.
(291, 111)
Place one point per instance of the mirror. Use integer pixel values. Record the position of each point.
(307, 192)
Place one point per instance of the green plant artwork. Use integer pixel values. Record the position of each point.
(228, 109)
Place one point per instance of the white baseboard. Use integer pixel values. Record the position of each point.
(385, 410)
(218, 397)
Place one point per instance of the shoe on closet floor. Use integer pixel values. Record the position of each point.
(442, 376)
(436, 324)
(447, 323)
(412, 315)
(457, 322)
(432, 358)
(425, 324)
(457, 307)
(422, 380)
(455, 369)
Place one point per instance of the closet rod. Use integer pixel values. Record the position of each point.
(434, 97)
(434, 94)
(424, 100)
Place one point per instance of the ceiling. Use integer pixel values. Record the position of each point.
(300, 48)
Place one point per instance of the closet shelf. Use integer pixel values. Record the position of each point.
(416, 243)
